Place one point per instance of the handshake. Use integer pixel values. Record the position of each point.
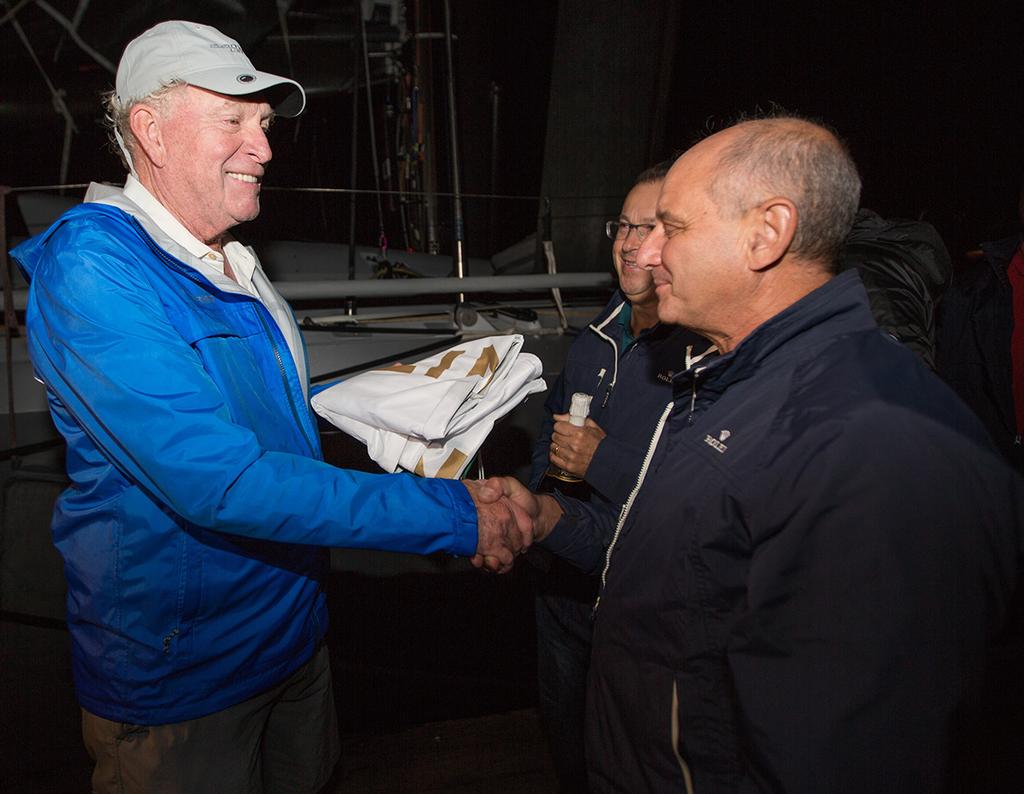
(509, 519)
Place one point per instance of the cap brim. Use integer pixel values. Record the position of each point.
(285, 96)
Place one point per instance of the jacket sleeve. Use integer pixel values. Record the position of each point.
(614, 469)
(110, 357)
(870, 600)
(583, 533)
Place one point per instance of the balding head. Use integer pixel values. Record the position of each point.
(749, 221)
(800, 160)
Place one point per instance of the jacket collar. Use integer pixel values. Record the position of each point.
(840, 306)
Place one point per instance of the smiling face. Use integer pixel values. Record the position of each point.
(696, 251)
(210, 159)
(638, 209)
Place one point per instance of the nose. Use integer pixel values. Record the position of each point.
(630, 243)
(259, 145)
(648, 255)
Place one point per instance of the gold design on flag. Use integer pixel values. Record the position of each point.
(419, 471)
(451, 467)
(404, 368)
(488, 362)
(446, 362)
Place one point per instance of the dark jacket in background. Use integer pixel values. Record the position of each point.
(975, 328)
(905, 268)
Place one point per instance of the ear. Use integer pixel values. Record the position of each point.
(145, 124)
(774, 225)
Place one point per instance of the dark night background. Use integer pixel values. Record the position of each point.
(928, 95)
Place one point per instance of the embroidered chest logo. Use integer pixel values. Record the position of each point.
(666, 376)
(718, 444)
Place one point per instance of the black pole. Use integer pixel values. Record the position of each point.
(460, 234)
(350, 303)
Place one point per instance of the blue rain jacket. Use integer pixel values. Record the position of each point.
(192, 532)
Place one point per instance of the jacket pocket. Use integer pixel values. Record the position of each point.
(178, 638)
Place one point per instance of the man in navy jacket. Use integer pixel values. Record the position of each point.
(625, 360)
(800, 595)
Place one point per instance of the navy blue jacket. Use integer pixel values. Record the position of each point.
(629, 388)
(975, 328)
(801, 590)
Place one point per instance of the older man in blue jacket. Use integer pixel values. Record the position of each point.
(192, 532)
(800, 595)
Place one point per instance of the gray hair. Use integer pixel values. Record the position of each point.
(802, 160)
(117, 118)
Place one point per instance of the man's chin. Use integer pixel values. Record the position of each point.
(635, 291)
(248, 214)
(666, 311)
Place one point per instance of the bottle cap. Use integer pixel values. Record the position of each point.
(579, 408)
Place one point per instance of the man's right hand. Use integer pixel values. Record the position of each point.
(541, 509)
(504, 528)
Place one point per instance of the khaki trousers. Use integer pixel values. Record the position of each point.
(284, 740)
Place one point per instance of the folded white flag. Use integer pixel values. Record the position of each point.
(432, 417)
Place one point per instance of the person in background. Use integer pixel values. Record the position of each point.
(905, 268)
(626, 361)
(981, 339)
(193, 531)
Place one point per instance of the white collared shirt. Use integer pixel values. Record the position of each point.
(251, 280)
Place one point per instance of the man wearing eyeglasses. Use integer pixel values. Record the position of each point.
(626, 361)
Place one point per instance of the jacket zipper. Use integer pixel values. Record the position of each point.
(683, 766)
(690, 360)
(196, 278)
(632, 497)
(597, 329)
(284, 379)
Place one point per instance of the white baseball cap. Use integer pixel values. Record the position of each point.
(201, 56)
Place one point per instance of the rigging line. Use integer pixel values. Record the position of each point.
(513, 197)
(65, 23)
(382, 241)
(282, 21)
(13, 12)
(80, 10)
(348, 190)
(56, 95)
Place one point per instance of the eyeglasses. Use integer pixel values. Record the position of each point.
(621, 229)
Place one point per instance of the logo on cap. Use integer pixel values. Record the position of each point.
(245, 78)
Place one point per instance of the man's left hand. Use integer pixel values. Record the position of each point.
(572, 448)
